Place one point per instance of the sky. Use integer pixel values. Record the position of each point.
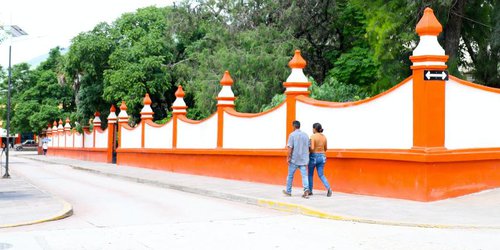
(51, 23)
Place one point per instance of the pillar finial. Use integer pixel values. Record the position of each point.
(123, 106)
(123, 116)
(428, 24)
(179, 106)
(180, 92)
(297, 61)
(60, 128)
(147, 112)
(67, 126)
(112, 114)
(428, 51)
(97, 119)
(226, 96)
(226, 79)
(297, 82)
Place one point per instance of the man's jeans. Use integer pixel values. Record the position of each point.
(317, 160)
(289, 180)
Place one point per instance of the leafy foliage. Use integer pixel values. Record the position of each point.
(334, 91)
(39, 96)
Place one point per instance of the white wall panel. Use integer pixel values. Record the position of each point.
(56, 140)
(158, 137)
(200, 135)
(385, 122)
(267, 131)
(472, 120)
(89, 140)
(78, 140)
(69, 140)
(101, 139)
(131, 138)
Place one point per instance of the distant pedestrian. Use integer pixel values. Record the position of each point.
(298, 157)
(45, 147)
(317, 158)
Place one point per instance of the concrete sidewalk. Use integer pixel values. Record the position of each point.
(480, 210)
(22, 203)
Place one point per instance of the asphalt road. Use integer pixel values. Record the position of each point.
(116, 214)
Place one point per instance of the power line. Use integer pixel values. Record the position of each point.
(472, 20)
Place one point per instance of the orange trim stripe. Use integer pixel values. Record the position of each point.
(475, 85)
(187, 120)
(308, 100)
(233, 112)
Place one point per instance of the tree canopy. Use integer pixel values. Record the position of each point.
(354, 49)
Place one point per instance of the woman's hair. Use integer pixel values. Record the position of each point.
(318, 127)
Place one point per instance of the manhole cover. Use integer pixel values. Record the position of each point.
(5, 246)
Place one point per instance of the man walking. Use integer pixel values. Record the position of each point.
(298, 157)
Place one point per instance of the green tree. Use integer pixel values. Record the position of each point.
(86, 61)
(138, 64)
(257, 62)
(42, 95)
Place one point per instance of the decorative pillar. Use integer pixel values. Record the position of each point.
(122, 120)
(49, 133)
(86, 129)
(60, 132)
(67, 128)
(146, 115)
(179, 109)
(429, 76)
(97, 124)
(49, 129)
(54, 132)
(296, 84)
(225, 99)
(111, 133)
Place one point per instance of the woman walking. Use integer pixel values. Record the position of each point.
(317, 158)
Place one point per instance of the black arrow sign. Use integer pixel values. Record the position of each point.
(436, 75)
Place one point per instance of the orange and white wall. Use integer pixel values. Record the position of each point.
(67, 142)
(421, 140)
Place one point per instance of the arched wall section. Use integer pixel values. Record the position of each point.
(197, 135)
(56, 140)
(101, 139)
(78, 140)
(472, 120)
(88, 140)
(131, 138)
(267, 131)
(69, 139)
(158, 137)
(383, 122)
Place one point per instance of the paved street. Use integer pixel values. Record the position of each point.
(111, 213)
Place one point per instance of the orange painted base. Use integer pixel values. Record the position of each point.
(258, 166)
(86, 154)
(420, 181)
(403, 174)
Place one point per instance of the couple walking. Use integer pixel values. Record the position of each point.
(303, 152)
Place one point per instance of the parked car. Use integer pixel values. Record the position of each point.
(26, 145)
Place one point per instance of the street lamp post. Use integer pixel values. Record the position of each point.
(15, 31)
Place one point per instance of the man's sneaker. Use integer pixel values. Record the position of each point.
(286, 193)
(329, 193)
(310, 193)
(306, 194)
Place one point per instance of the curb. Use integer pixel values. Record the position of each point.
(300, 209)
(273, 204)
(65, 212)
